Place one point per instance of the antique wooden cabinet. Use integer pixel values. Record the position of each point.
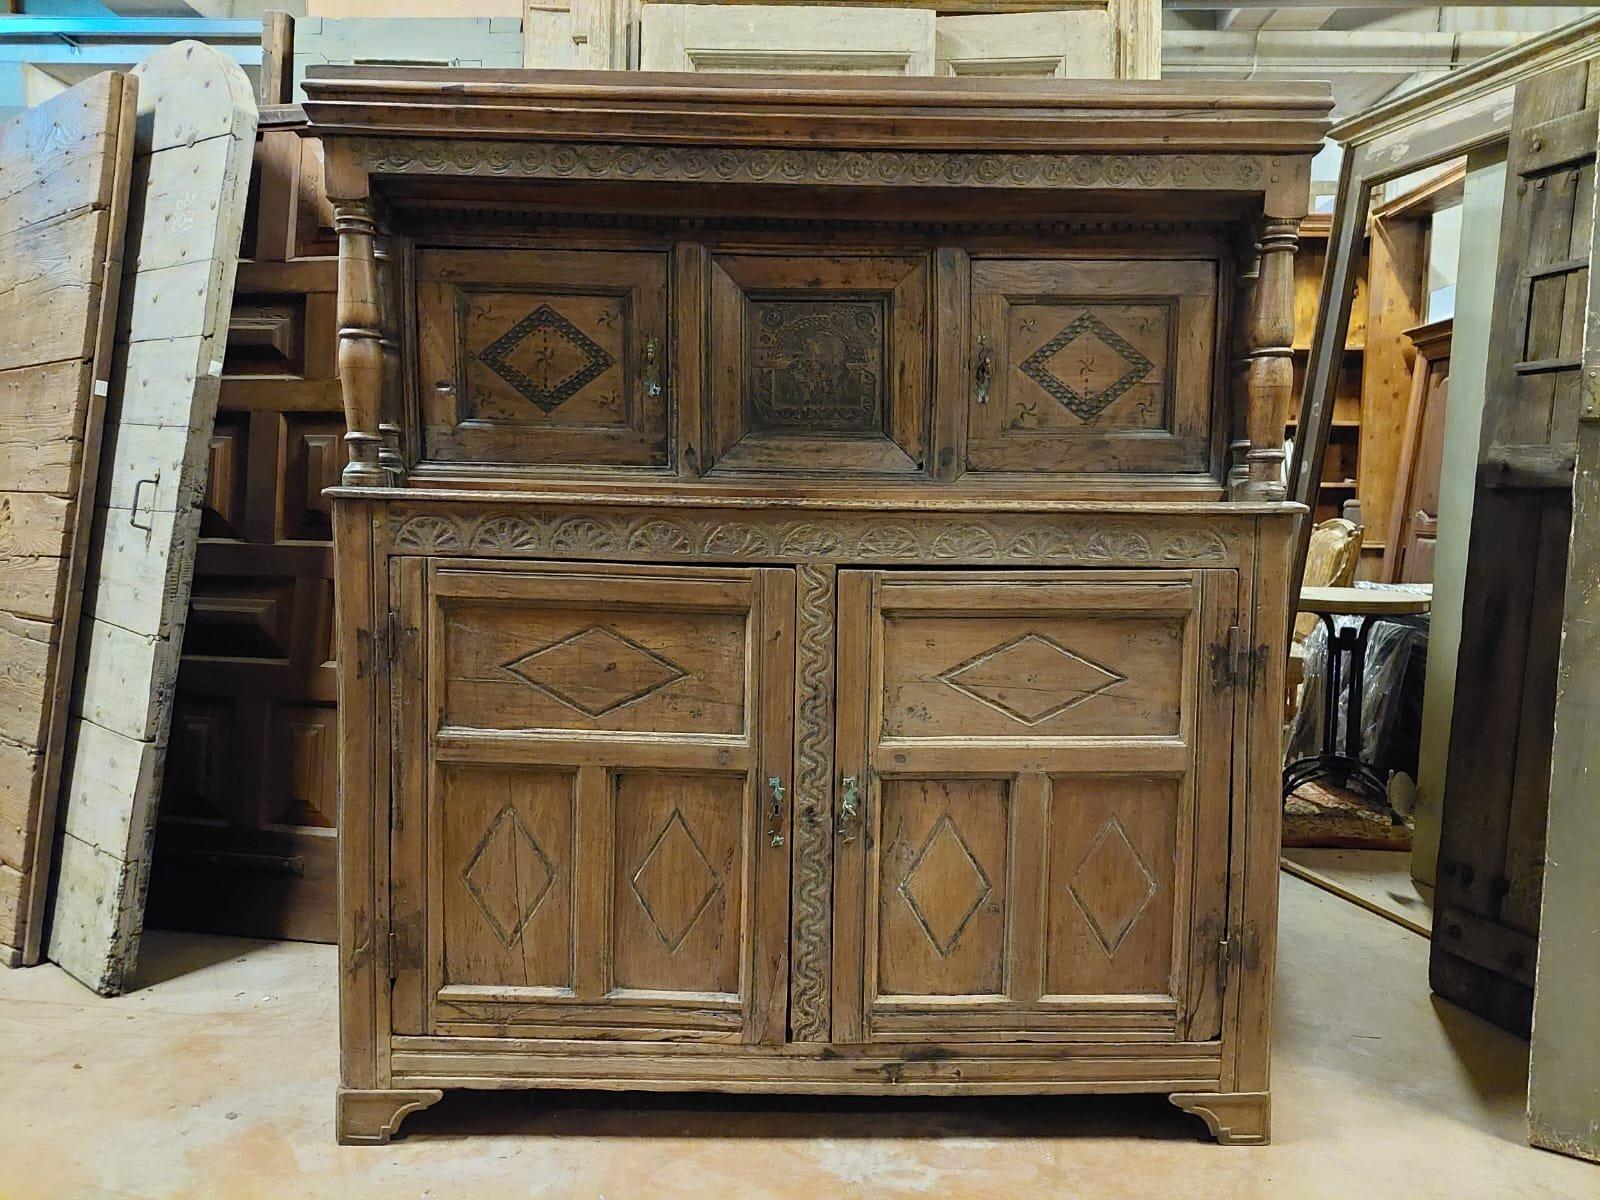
(811, 593)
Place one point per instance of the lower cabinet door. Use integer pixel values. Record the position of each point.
(590, 828)
(1033, 805)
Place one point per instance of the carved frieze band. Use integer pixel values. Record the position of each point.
(1021, 538)
(811, 987)
(733, 164)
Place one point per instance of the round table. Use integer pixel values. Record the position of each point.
(1347, 656)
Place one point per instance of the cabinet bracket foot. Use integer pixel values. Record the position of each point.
(1234, 1118)
(371, 1118)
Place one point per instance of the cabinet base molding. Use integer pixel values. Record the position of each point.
(1234, 1118)
(371, 1118)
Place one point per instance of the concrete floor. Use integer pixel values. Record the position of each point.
(216, 1079)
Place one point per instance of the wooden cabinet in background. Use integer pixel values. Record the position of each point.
(817, 626)
(1414, 523)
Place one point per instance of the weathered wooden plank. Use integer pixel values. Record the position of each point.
(1564, 1058)
(50, 290)
(55, 153)
(195, 130)
(25, 658)
(64, 171)
(42, 412)
(21, 772)
(11, 893)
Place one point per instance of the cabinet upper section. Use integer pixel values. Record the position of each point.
(718, 277)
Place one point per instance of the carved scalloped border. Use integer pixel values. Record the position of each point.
(734, 164)
(813, 794)
(1023, 539)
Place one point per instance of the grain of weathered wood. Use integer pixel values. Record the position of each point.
(1563, 1060)
(1492, 840)
(64, 179)
(195, 123)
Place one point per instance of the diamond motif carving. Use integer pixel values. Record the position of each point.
(596, 671)
(945, 885)
(1031, 678)
(509, 875)
(546, 358)
(1086, 366)
(675, 882)
(1112, 885)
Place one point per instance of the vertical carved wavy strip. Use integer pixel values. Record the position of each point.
(813, 795)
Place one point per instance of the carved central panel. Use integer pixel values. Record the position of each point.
(509, 875)
(815, 365)
(546, 358)
(945, 885)
(596, 671)
(675, 882)
(1031, 678)
(1112, 885)
(1087, 366)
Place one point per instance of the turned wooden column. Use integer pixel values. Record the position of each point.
(1269, 377)
(360, 341)
(1244, 298)
(390, 456)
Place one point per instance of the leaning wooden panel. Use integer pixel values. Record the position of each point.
(195, 128)
(64, 169)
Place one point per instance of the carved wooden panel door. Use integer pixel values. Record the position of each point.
(591, 801)
(1033, 804)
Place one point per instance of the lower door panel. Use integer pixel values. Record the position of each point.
(1038, 773)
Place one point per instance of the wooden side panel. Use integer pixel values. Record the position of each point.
(1079, 42)
(1492, 839)
(63, 210)
(191, 167)
(777, 37)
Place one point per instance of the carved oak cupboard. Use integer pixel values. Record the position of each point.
(811, 583)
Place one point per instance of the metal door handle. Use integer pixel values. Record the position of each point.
(775, 826)
(983, 372)
(849, 809)
(652, 368)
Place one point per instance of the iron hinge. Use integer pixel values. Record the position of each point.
(1231, 661)
(394, 958)
(391, 637)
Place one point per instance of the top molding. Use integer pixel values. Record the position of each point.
(820, 113)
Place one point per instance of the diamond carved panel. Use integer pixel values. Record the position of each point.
(1031, 678)
(596, 671)
(675, 882)
(509, 876)
(945, 885)
(1112, 885)
(1086, 366)
(546, 358)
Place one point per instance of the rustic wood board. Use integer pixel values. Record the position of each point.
(64, 174)
(1564, 1058)
(196, 128)
(1492, 834)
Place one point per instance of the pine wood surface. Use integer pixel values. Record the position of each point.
(196, 119)
(64, 181)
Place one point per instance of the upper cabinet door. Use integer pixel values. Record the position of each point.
(550, 357)
(781, 38)
(1092, 366)
(592, 834)
(1033, 804)
(817, 364)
